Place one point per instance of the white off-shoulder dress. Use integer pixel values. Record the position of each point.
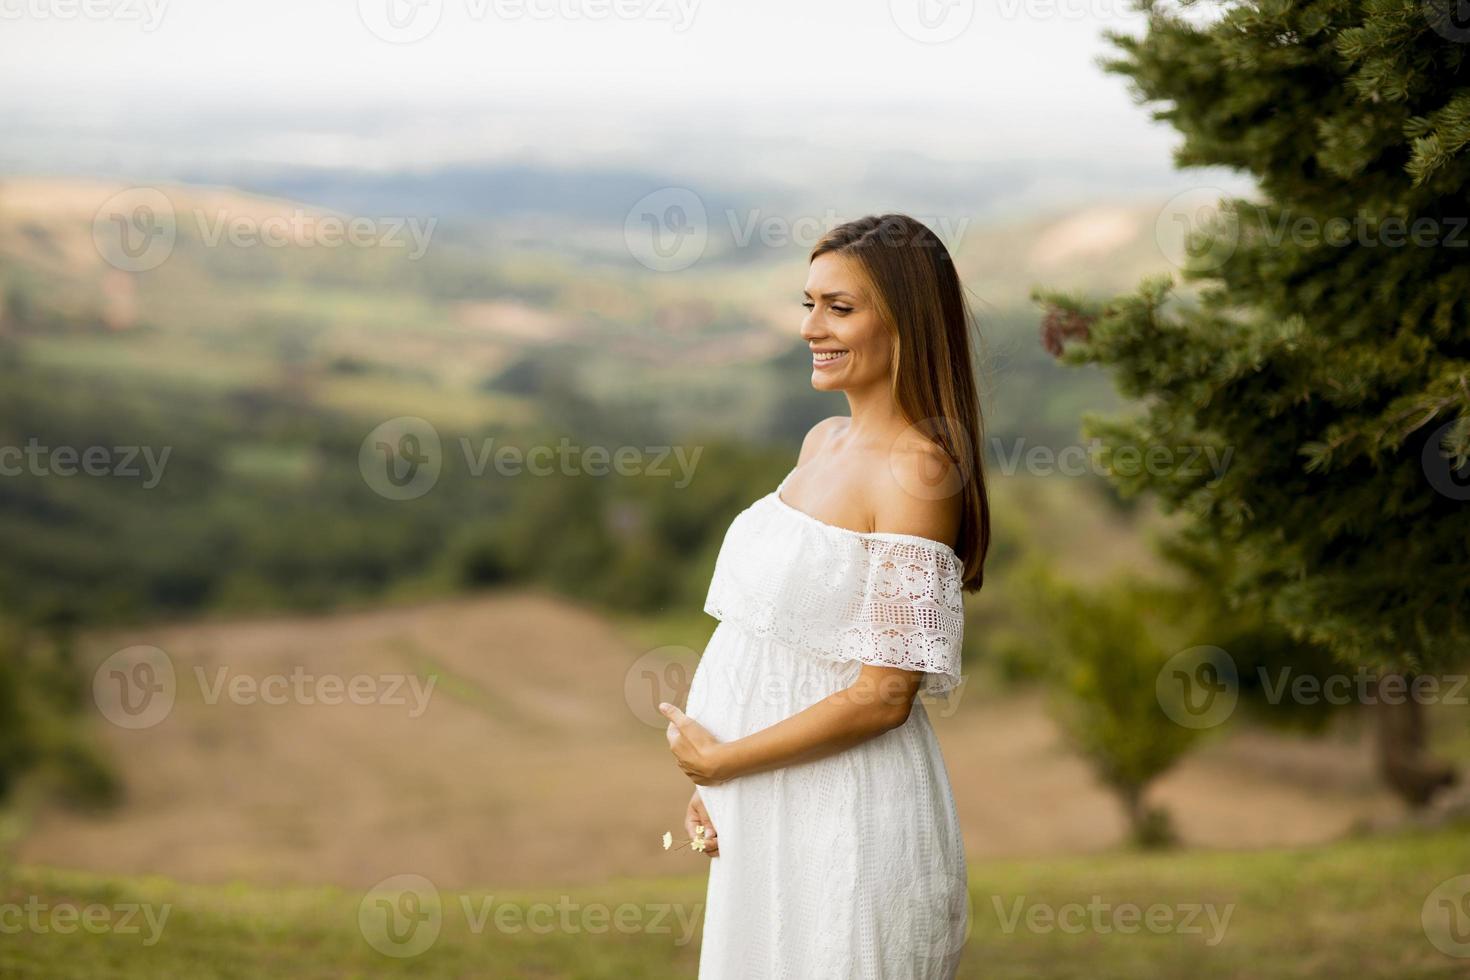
(851, 866)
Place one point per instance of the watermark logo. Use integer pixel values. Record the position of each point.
(1446, 917)
(135, 229)
(402, 458)
(1197, 230)
(1449, 18)
(135, 687)
(932, 21)
(926, 477)
(1199, 687)
(401, 916)
(667, 230)
(400, 21)
(660, 675)
(1451, 481)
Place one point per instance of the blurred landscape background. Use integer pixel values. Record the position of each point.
(581, 238)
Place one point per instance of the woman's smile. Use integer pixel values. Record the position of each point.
(825, 359)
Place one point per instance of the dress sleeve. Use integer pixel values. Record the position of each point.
(910, 613)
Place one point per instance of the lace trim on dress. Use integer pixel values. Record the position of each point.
(877, 598)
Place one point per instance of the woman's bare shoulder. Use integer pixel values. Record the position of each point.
(917, 492)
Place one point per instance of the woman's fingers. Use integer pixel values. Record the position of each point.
(702, 815)
(695, 820)
(694, 815)
(711, 842)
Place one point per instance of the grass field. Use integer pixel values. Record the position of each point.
(1351, 909)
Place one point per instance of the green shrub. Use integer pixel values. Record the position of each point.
(1104, 652)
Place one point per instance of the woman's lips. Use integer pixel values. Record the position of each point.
(824, 360)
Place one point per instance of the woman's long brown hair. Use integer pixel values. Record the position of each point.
(921, 301)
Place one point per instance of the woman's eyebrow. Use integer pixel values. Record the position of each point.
(835, 295)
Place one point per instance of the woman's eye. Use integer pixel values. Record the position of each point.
(808, 304)
(842, 310)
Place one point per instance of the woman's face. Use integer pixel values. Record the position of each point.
(850, 346)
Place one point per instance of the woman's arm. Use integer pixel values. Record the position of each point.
(878, 701)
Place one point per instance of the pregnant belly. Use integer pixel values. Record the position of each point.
(744, 683)
(895, 781)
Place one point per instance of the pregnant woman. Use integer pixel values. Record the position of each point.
(836, 848)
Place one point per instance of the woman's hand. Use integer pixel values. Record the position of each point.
(697, 752)
(694, 818)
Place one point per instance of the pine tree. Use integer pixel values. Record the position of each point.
(1328, 344)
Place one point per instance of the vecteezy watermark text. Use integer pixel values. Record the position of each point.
(408, 21)
(402, 916)
(1098, 459)
(1201, 228)
(35, 459)
(665, 674)
(137, 229)
(1103, 917)
(1363, 687)
(301, 687)
(570, 917)
(570, 459)
(147, 13)
(402, 458)
(669, 229)
(39, 917)
(137, 687)
(1200, 687)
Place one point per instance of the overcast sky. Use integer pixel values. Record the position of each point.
(956, 79)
